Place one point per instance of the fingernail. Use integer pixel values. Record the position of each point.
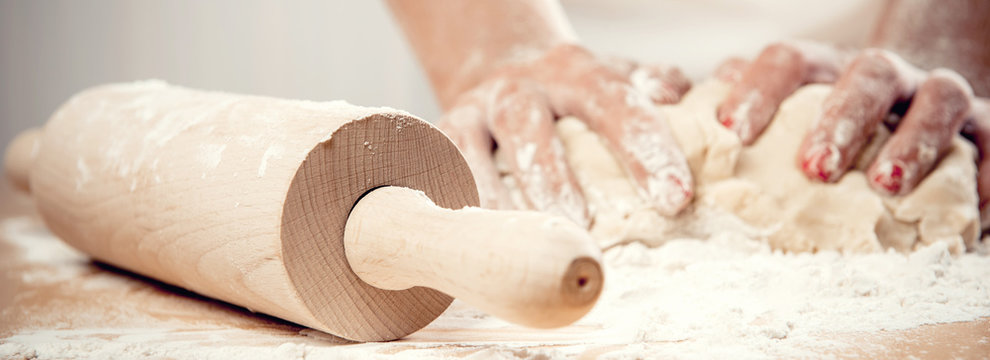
(727, 121)
(821, 162)
(672, 193)
(725, 117)
(889, 178)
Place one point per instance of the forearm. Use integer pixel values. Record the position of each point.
(936, 33)
(459, 42)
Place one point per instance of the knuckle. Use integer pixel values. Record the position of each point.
(875, 63)
(874, 53)
(567, 51)
(676, 79)
(781, 52)
(731, 69)
(950, 82)
(461, 118)
(946, 93)
(647, 82)
(499, 88)
(621, 65)
(521, 116)
(603, 74)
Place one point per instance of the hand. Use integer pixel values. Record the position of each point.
(977, 129)
(515, 107)
(932, 107)
(505, 70)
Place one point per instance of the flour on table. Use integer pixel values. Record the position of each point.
(759, 191)
(714, 290)
(725, 296)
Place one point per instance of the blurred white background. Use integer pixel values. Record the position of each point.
(351, 50)
(307, 49)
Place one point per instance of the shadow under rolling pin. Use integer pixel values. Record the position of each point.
(330, 215)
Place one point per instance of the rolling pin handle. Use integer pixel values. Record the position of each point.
(530, 268)
(19, 158)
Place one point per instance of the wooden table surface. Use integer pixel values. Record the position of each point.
(67, 303)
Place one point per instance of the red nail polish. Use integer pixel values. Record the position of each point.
(682, 186)
(892, 181)
(816, 165)
(675, 194)
(727, 121)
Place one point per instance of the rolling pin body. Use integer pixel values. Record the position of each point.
(246, 199)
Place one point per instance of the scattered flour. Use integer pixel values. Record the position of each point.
(725, 296)
(733, 297)
(712, 290)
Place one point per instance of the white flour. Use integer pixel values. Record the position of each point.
(730, 297)
(726, 296)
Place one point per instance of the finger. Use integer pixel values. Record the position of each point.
(626, 119)
(979, 132)
(731, 70)
(861, 99)
(620, 65)
(751, 103)
(523, 128)
(662, 84)
(646, 147)
(776, 73)
(636, 132)
(464, 124)
(925, 134)
(983, 187)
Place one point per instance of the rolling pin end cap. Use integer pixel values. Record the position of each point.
(19, 158)
(582, 282)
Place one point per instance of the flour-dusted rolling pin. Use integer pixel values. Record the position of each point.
(329, 215)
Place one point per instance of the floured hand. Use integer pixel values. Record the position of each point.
(515, 109)
(504, 71)
(925, 109)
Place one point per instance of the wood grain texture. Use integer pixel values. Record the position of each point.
(241, 198)
(530, 268)
(377, 151)
(18, 158)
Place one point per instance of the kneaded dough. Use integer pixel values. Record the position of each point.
(759, 191)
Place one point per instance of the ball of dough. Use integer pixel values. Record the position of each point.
(759, 191)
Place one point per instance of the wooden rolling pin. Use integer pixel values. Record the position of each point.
(330, 215)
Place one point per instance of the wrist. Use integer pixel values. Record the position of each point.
(487, 63)
(461, 43)
(932, 34)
